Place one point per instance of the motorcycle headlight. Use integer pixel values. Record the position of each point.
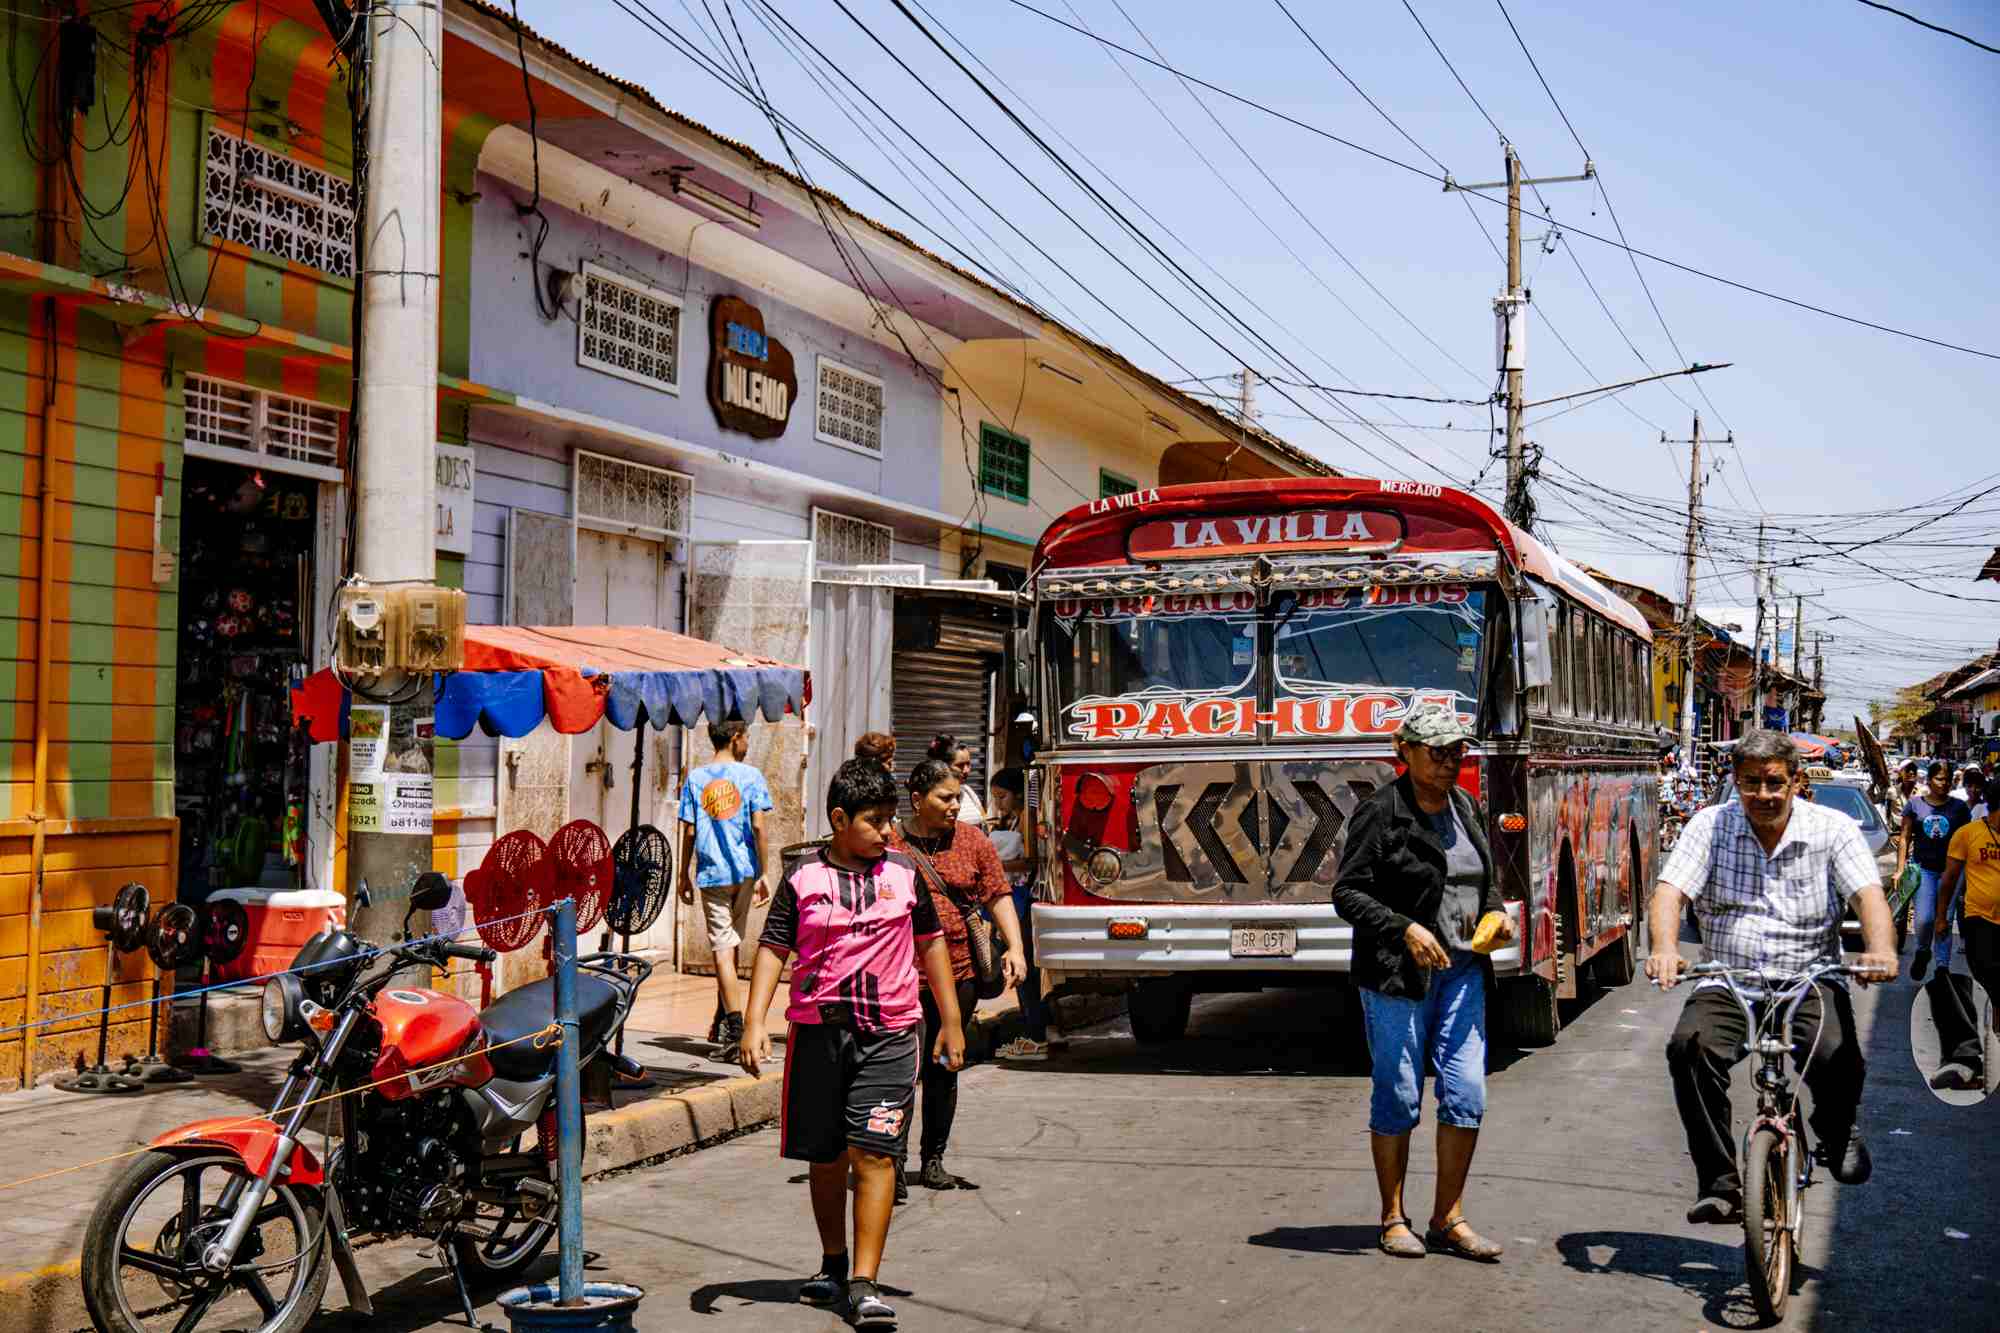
(283, 1020)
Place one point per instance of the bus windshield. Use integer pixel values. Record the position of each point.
(1203, 646)
(1425, 640)
(1311, 664)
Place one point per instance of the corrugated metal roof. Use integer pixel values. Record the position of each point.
(1229, 426)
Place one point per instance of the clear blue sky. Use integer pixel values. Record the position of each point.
(1832, 153)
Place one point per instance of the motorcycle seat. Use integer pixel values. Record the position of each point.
(532, 1008)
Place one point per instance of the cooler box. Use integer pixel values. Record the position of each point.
(281, 920)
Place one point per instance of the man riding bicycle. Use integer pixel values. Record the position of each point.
(1768, 876)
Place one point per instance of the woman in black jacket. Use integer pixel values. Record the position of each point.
(1416, 880)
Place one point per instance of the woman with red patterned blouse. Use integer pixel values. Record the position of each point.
(965, 860)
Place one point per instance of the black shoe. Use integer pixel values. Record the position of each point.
(1849, 1162)
(902, 1185)
(826, 1287)
(1956, 1076)
(865, 1306)
(1920, 965)
(715, 1027)
(730, 1037)
(1719, 1209)
(935, 1177)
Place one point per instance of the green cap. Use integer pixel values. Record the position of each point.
(1432, 725)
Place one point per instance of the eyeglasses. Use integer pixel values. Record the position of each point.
(1446, 754)
(1767, 786)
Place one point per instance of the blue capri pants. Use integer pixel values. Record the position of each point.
(1449, 1025)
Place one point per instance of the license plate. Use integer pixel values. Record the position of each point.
(1276, 940)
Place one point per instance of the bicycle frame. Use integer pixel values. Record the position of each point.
(1770, 1042)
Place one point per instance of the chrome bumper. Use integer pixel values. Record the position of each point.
(1196, 939)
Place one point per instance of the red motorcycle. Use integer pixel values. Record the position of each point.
(233, 1223)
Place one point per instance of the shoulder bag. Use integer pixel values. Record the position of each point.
(989, 977)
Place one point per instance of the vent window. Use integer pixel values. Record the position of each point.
(628, 329)
(614, 495)
(849, 408)
(277, 205)
(226, 420)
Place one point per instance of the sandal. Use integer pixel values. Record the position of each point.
(1023, 1048)
(1405, 1247)
(1457, 1237)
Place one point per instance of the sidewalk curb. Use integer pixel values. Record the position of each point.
(50, 1299)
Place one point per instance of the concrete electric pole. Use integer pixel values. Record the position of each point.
(1687, 601)
(396, 417)
(1510, 310)
(1757, 640)
(1246, 395)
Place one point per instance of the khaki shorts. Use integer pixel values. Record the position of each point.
(727, 910)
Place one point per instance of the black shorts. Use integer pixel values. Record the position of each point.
(848, 1088)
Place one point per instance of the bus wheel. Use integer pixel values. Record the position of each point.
(1614, 965)
(1528, 1016)
(1159, 1011)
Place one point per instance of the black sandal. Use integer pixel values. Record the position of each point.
(1411, 1248)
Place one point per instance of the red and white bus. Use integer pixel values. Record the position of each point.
(1217, 671)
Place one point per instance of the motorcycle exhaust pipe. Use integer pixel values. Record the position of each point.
(510, 1166)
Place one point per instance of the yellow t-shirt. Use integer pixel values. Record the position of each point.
(1976, 845)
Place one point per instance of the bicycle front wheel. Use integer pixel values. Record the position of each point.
(1767, 1231)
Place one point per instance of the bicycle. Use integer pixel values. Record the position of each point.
(1777, 1159)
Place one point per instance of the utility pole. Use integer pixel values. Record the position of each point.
(1510, 310)
(1687, 604)
(1798, 633)
(1246, 395)
(396, 410)
(1757, 641)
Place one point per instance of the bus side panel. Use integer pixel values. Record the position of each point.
(1547, 823)
(1595, 812)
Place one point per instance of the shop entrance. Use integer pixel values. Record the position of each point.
(623, 580)
(241, 775)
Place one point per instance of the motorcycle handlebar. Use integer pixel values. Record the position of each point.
(471, 953)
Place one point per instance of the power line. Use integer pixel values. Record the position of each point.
(1414, 170)
(1454, 72)
(1901, 14)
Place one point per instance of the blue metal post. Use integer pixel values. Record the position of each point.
(569, 1109)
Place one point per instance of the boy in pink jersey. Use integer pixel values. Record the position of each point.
(861, 922)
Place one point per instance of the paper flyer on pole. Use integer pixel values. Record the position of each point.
(367, 747)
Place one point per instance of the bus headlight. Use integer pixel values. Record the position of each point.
(1105, 866)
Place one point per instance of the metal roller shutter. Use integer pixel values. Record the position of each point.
(938, 690)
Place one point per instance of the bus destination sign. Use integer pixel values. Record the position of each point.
(1255, 534)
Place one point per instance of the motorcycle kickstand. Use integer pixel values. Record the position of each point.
(472, 1320)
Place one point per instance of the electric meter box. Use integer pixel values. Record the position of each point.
(431, 622)
(413, 628)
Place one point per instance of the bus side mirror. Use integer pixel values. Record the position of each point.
(1535, 668)
(1020, 644)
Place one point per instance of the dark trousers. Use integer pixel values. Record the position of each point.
(1954, 1013)
(1708, 1043)
(1982, 957)
(1034, 1011)
(940, 1085)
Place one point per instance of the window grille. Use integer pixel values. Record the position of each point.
(842, 540)
(628, 329)
(1110, 483)
(277, 205)
(220, 415)
(1003, 463)
(849, 408)
(626, 497)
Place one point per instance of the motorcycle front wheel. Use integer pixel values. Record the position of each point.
(142, 1270)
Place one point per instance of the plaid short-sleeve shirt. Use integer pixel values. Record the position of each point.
(1781, 910)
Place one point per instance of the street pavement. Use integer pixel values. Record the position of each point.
(1225, 1184)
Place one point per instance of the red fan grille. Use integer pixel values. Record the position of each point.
(582, 857)
(515, 878)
